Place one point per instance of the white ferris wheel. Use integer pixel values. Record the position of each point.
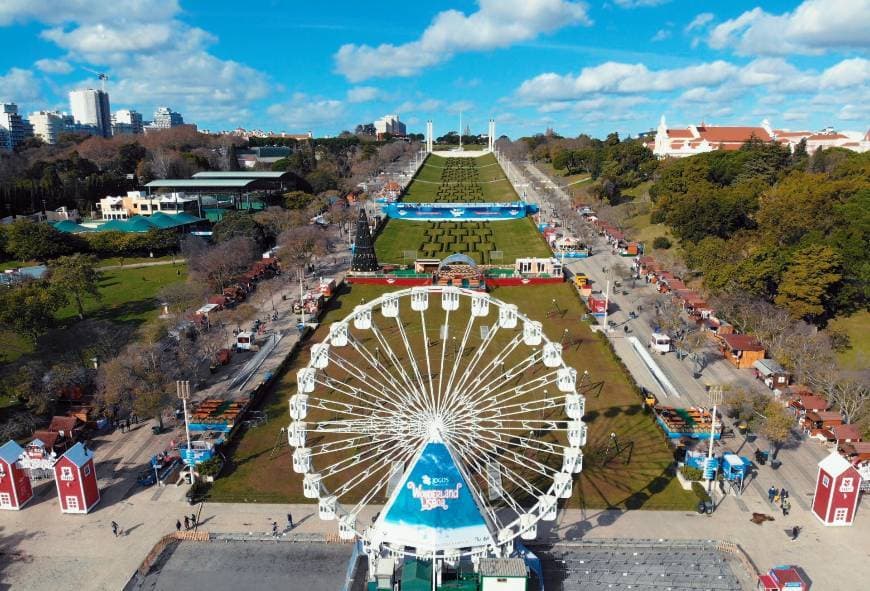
(459, 416)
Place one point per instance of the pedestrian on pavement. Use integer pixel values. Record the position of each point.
(289, 521)
(783, 494)
(186, 523)
(625, 328)
(193, 520)
(786, 507)
(115, 529)
(795, 531)
(771, 493)
(177, 525)
(275, 529)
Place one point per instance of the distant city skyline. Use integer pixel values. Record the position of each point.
(591, 67)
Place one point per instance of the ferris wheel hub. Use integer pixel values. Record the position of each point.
(437, 429)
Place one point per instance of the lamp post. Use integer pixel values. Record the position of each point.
(183, 389)
(715, 394)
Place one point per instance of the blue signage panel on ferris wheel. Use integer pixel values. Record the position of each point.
(434, 508)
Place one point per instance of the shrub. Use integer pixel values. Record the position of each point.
(661, 242)
(690, 473)
(211, 467)
(700, 491)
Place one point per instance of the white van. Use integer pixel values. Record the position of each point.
(660, 343)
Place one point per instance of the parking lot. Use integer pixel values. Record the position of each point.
(253, 566)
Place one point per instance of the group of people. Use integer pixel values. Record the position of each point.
(779, 497)
(275, 532)
(189, 522)
(123, 425)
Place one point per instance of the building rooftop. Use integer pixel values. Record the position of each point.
(502, 567)
(10, 452)
(79, 454)
(204, 183)
(835, 464)
(742, 342)
(243, 174)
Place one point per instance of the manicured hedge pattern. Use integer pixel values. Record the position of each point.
(445, 238)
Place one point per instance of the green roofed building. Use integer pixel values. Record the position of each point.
(156, 221)
(70, 227)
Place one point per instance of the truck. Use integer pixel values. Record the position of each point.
(660, 343)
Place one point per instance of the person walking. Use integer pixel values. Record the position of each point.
(115, 529)
(186, 523)
(289, 521)
(771, 493)
(274, 529)
(177, 525)
(795, 531)
(193, 520)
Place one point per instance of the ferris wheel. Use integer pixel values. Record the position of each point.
(449, 408)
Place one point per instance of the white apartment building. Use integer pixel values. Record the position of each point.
(164, 118)
(48, 125)
(390, 124)
(13, 128)
(91, 107)
(126, 121)
(139, 203)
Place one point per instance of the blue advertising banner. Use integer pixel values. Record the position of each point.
(459, 211)
(434, 508)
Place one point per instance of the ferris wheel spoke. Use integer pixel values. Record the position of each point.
(348, 367)
(432, 401)
(374, 363)
(457, 362)
(421, 386)
(538, 404)
(470, 368)
(372, 454)
(384, 464)
(404, 458)
(497, 396)
(525, 461)
(411, 388)
(469, 458)
(474, 457)
(444, 339)
(337, 445)
(367, 398)
(493, 387)
(348, 408)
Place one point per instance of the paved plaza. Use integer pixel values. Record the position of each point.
(252, 566)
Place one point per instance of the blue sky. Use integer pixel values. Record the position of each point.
(590, 67)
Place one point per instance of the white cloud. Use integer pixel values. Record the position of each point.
(19, 86)
(65, 11)
(849, 72)
(853, 112)
(639, 3)
(424, 106)
(812, 28)
(622, 78)
(363, 94)
(497, 23)
(699, 21)
(661, 35)
(152, 58)
(303, 112)
(50, 66)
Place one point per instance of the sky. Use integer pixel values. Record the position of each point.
(577, 67)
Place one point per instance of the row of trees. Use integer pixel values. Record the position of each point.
(25, 240)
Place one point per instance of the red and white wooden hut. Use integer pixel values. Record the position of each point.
(76, 479)
(782, 578)
(15, 489)
(838, 488)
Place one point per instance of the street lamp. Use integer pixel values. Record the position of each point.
(715, 394)
(183, 390)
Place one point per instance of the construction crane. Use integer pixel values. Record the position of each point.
(101, 76)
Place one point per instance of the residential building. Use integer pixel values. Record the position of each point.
(126, 122)
(164, 118)
(91, 107)
(365, 129)
(139, 203)
(698, 139)
(14, 129)
(47, 125)
(390, 124)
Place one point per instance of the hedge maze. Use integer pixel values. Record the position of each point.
(460, 182)
(441, 239)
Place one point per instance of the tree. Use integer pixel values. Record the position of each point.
(27, 241)
(851, 395)
(807, 283)
(297, 199)
(140, 379)
(182, 296)
(237, 224)
(777, 425)
(216, 266)
(29, 308)
(76, 276)
(298, 245)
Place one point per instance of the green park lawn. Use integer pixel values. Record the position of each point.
(636, 478)
(857, 328)
(128, 296)
(490, 179)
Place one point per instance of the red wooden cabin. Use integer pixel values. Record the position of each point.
(76, 477)
(15, 489)
(838, 488)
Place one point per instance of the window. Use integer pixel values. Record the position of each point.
(826, 482)
(87, 470)
(840, 515)
(66, 473)
(846, 485)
